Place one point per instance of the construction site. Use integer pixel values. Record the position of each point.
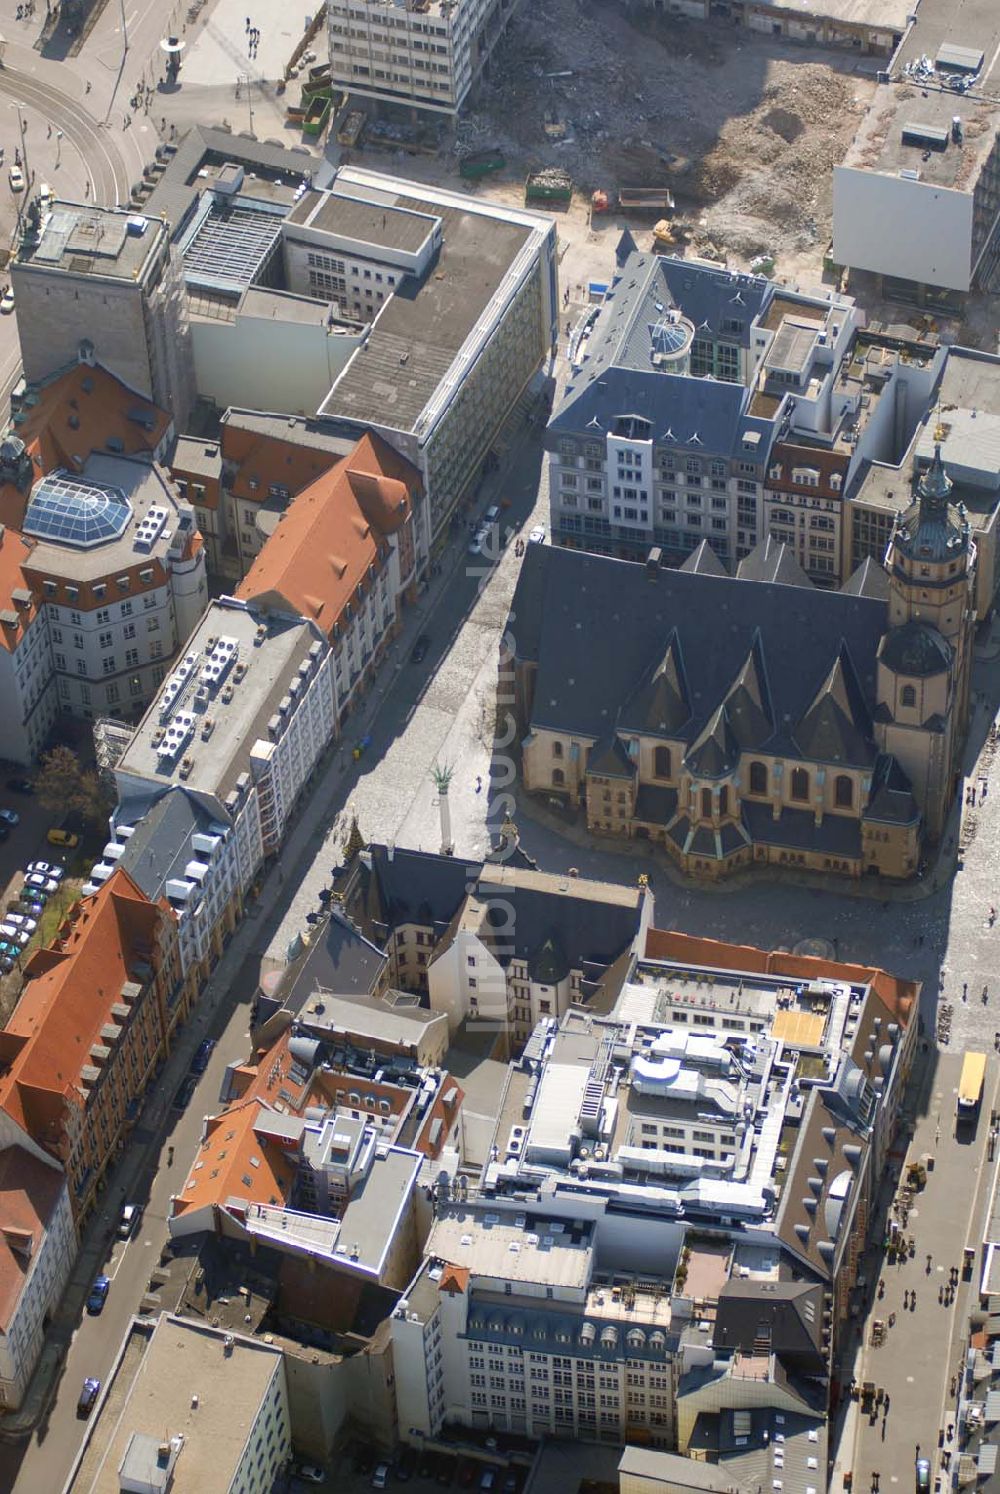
(742, 131)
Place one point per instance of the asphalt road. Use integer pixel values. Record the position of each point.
(45, 1462)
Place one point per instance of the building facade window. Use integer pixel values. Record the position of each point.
(758, 778)
(843, 791)
(800, 784)
(661, 762)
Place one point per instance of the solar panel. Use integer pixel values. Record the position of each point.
(71, 512)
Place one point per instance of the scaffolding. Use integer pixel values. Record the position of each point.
(111, 738)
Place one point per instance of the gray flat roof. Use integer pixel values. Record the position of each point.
(82, 239)
(372, 1216)
(381, 225)
(317, 434)
(481, 1240)
(145, 486)
(152, 1395)
(271, 665)
(926, 100)
(276, 170)
(421, 327)
(196, 454)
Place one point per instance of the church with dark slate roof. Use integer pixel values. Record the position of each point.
(753, 719)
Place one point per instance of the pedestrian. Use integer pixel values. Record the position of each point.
(906, 1299)
(88, 87)
(479, 784)
(49, 135)
(248, 23)
(913, 1301)
(965, 990)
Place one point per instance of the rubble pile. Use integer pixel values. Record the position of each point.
(744, 130)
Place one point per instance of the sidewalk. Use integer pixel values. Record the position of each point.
(921, 1351)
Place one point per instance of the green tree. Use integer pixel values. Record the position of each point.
(64, 785)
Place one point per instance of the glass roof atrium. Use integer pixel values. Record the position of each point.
(67, 511)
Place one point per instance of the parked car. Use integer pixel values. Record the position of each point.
(309, 1473)
(47, 869)
(32, 904)
(131, 1218)
(923, 1476)
(45, 195)
(445, 1471)
(199, 1062)
(59, 837)
(491, 515)
(420, 648)
(10, 817)
(476, 542)
(380, 1478)
(20, 785)
(183, 1096)
(7, 963)
(510, 1482)
(98, 1296)
(39, 883)
(22, 921)
(89, 1392)
(16, 178)
(467, 1471)
(537, 535)
(488, 1480)
(7, 302)
(13, 936)
(406, 1465)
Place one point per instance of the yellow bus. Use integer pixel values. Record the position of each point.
(970, 1086)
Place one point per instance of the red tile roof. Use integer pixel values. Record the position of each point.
(234, 1161)
(333, 533)
(29, 1192)
(80, 411)
(14, 553)
(67, 999)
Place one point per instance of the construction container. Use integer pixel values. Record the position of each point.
(352, 129)
(317, 115)
(645, 200)
(550, 185)
(481, 163)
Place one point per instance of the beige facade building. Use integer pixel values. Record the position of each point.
(754, 719)
(99, 283)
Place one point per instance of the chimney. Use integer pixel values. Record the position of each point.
(653, 562)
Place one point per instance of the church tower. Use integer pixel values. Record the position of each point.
(925, 658)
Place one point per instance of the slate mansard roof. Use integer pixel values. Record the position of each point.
(724, 664)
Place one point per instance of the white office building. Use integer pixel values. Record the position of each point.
(425, 54)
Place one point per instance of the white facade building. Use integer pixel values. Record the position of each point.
(239, 725)
(426, 55)
(105, 578)
(915, 201)
(37, 1251)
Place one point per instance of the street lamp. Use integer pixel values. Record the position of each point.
(22, 126)
(59, 135)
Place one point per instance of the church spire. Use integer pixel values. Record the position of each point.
(933, 489)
